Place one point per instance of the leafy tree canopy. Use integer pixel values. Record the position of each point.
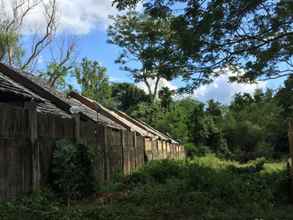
(285, 97)
(252, 38)
(147, 49)
(127, 96)
(93, 81)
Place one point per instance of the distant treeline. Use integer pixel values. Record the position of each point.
(251, 126)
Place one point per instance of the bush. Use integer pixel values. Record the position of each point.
(72, 173)
(203, 188)
(251, 167)
(196, 150)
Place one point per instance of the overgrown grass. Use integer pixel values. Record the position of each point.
(203, 188)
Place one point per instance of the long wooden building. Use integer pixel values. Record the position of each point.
(33, 116)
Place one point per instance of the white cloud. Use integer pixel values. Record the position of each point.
(162, 83)
(74, 16)
(223, 91)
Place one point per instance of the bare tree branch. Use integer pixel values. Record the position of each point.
(11, 26)
(46, 39)
(17, 20)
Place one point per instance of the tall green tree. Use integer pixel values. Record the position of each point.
(175, 120)
(252, 38)
(165, 95)
(61, 65)
(214, 108)
(127, 96)
(285, 98)
(93, 80)
(146, 50)
(253, 125)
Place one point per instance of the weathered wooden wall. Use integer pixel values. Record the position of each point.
(27, 141)
(25, 160)
(15, 153)
(120, 152)
(290, 161)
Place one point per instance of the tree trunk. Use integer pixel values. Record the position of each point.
(152, 94)
(156, 89)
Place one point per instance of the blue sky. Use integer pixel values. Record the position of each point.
(89, 24)
(94, 46)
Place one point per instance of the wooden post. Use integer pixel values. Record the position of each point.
(290, 160)
(122, 152)
(135, 150)
(77, 127)
(107, 155)
(33, 131)
(163, 148)
(101, 154)
(157, 148)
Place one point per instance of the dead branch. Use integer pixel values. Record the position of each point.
(46, 39)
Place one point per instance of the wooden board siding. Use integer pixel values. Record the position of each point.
(27, 142)
(15, 167)
(290, 161)
(115, 155)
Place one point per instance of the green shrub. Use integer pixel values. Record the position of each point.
(203, 188)
(39, 205)
(72, 173)
(251, 167)
(160, 171)
(196, 150)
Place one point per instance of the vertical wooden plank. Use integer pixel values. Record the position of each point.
(130, 151)
(33, 130)
(122, 140)
(27, 167)
(3, 169)
(10, 170)
(142, 155)
(126, 153)
(13, 146)
(290, 161)
(159, 149)
(164, 150)
(135, 154)
(77, 127)
(107, 154)
(110, 153)
(101, 154)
